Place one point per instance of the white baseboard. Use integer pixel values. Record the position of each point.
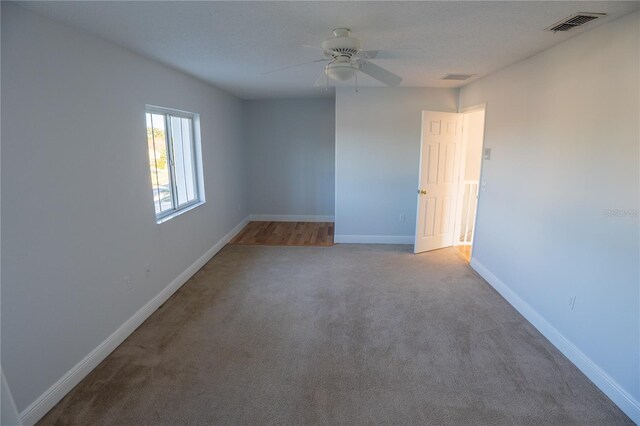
(610, 387)
(290, 218)
(374, 239)
(45, 402)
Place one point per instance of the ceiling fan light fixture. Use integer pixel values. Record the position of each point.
(341, 71)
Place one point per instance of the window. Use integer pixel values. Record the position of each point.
(173, 161)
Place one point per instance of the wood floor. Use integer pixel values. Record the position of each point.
(465, 251)
(286, 234)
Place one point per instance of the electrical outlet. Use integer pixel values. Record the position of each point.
(128, 284)
(402, 217)
(147, 270)
(572, 302)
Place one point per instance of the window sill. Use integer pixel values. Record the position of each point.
(179, 212)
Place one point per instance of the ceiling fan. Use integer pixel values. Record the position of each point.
(345, 58)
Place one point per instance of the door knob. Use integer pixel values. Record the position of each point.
(422, 192)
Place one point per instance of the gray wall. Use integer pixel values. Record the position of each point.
(77, 208)
(8, 412)
(291, 156)
(377, 160)
(563, 129)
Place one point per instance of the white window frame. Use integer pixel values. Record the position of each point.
(197, 160)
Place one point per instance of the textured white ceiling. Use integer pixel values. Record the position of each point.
(229, 43)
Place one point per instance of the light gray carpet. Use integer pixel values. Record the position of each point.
(351, 335)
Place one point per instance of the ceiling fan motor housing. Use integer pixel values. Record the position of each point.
(341, 45)
(346, 58)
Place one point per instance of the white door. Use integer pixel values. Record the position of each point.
(439, 173)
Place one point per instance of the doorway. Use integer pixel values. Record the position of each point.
(469, 188)
(451, 154)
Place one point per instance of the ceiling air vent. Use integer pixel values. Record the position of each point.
(459, 77)
(574, 21)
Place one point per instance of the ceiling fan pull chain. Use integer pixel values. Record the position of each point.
(326, 79)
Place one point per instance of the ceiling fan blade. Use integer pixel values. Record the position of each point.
(293, 66)
(371, 54)
(380, 74)
(400, 52)
(322, 79)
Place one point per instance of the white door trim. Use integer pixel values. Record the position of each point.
(474, 108)
(461, 180)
